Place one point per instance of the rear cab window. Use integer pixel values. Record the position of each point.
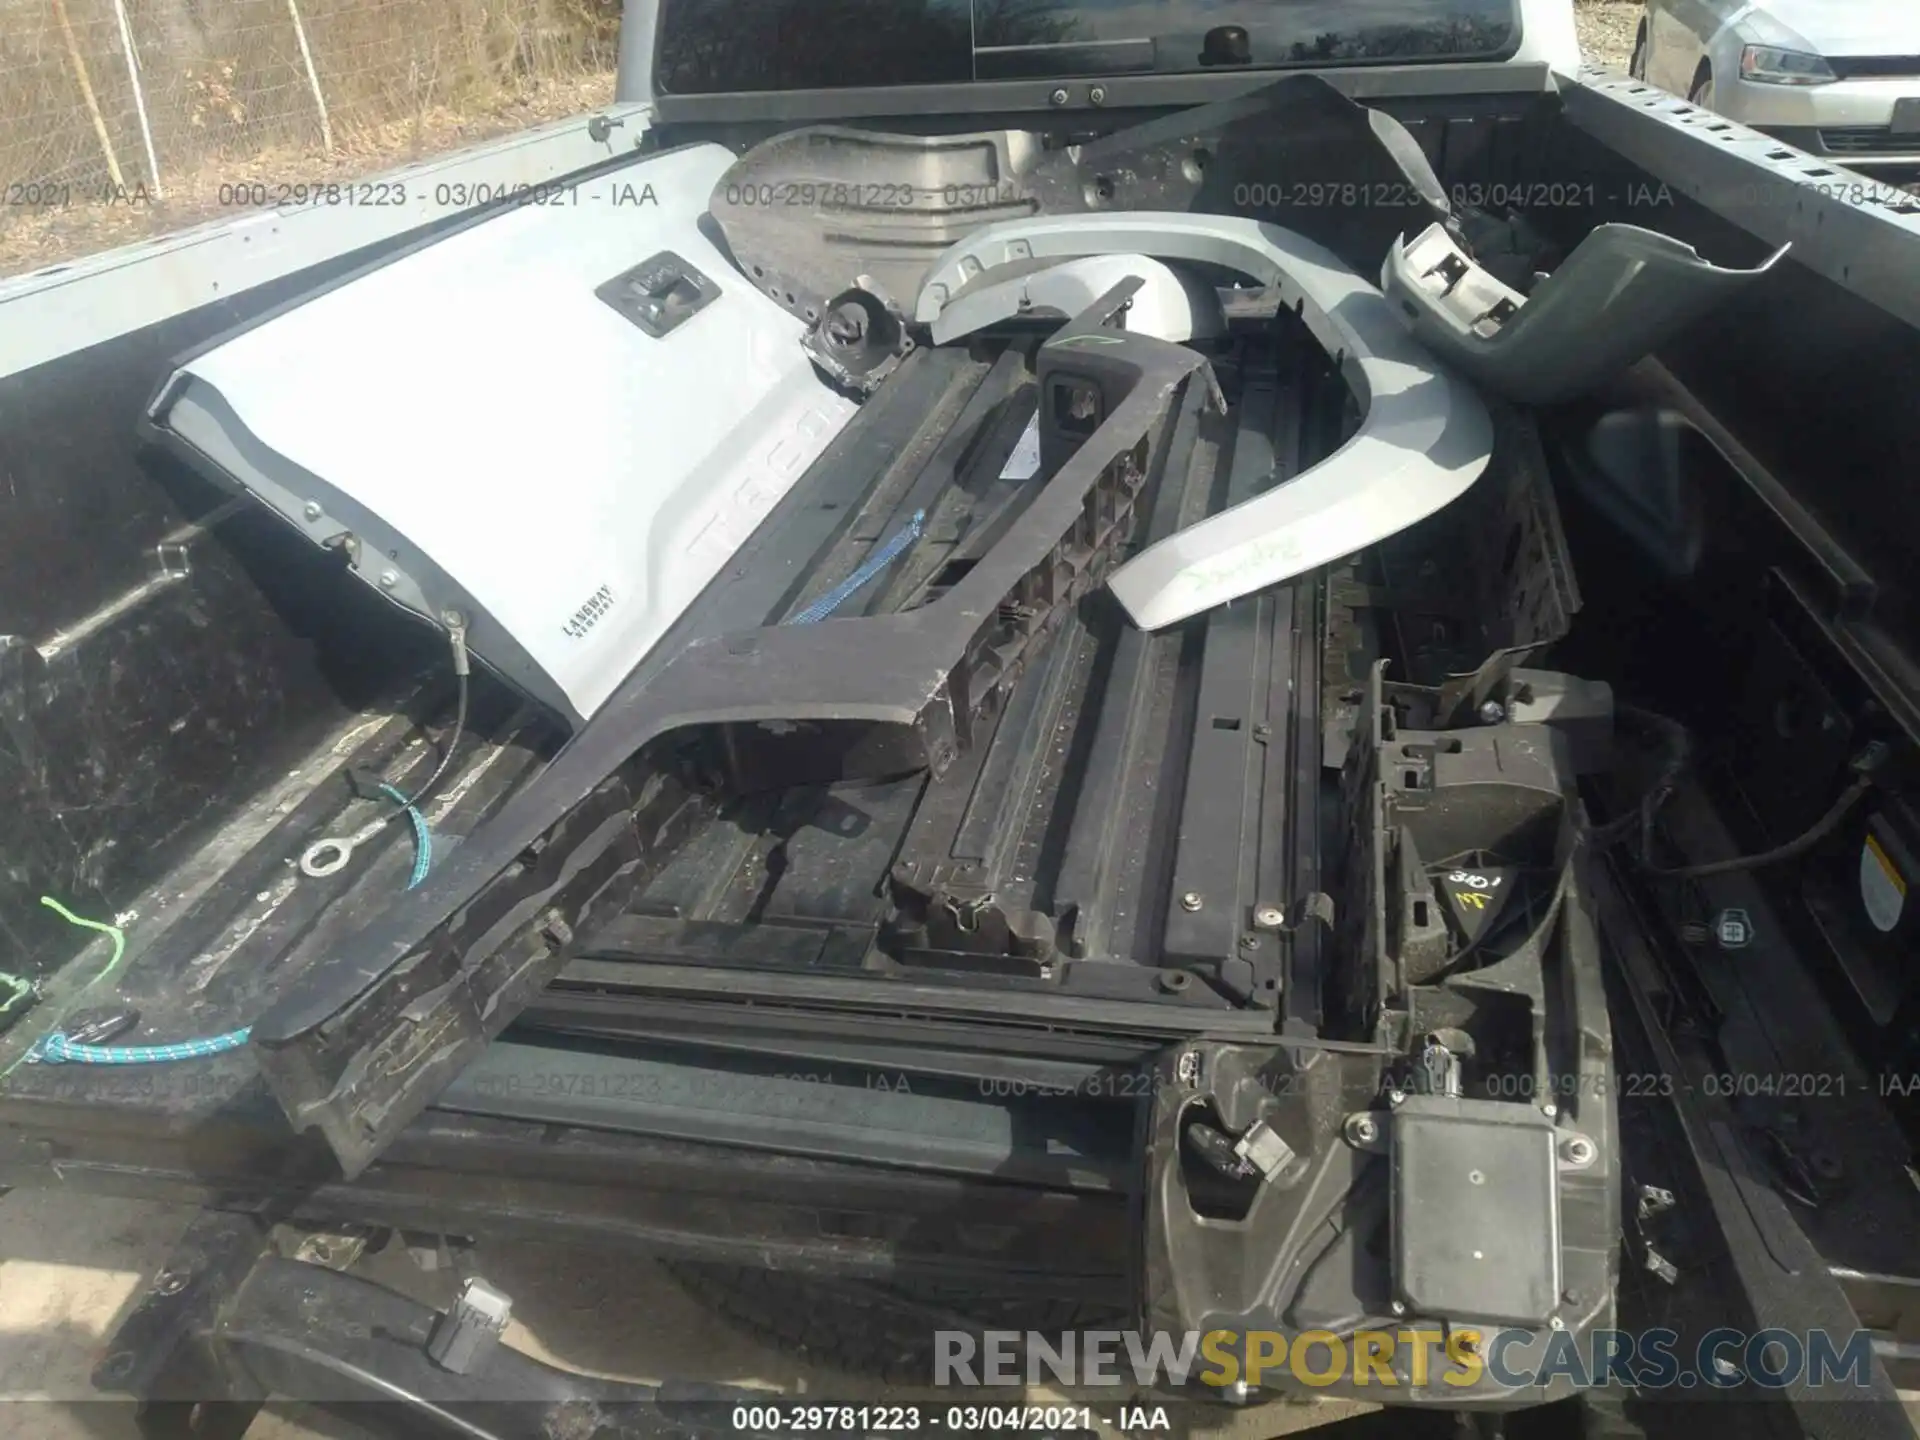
(709, 47)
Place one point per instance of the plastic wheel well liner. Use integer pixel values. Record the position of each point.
(1424, 435)
(1170, 305)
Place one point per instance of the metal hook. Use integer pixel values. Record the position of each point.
(330, 856)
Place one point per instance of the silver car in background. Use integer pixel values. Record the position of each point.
(1836, 78)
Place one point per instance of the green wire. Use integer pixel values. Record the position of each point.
(21, 989)
(112, 932)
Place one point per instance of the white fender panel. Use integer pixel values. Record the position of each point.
(1170, 305)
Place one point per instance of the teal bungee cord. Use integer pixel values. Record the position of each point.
(57, 1049)
(422, 836)
(113, 932)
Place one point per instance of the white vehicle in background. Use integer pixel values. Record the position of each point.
(1547, 35)
(1836, 78)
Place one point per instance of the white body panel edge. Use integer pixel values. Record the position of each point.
(1424, 436)
(504, 442)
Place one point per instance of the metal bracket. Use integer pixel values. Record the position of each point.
(860, 340)
(660, 294)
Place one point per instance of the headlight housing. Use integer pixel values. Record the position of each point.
(1770, 65)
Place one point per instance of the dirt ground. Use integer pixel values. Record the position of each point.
(1606, 30)
(33, 239)
(71, 1266)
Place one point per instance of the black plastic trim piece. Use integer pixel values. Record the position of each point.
(359, 1046)
(518, 1181)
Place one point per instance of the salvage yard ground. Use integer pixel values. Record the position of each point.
(71, 1266)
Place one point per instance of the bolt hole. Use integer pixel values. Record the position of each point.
(1789, 717)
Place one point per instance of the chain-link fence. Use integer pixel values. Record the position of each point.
(119, 118)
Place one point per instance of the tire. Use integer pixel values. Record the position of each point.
(1637, 62)
(855, 1328)
(1702, 92)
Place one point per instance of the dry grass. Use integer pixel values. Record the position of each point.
(228, 99)
(39, 238)
(1606, 30)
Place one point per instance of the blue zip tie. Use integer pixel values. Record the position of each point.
(56, 1049)
(422, 836)
(839, 595)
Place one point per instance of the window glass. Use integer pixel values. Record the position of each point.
(711, 46)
